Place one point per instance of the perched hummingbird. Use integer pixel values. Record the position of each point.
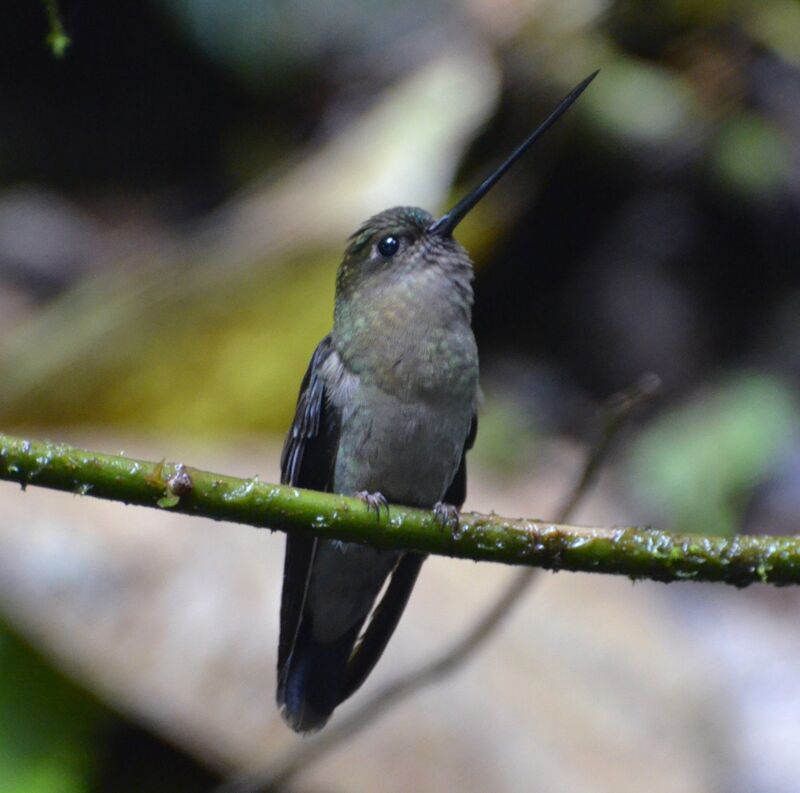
(387, 411)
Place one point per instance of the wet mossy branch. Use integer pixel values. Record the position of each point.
(636, 552)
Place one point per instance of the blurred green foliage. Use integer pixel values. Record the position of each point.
(48, 726)
(57, 38)
(56, 737)
(752, 155)
(696, 465)
(642, 103)
(507, 439)
(248, 341)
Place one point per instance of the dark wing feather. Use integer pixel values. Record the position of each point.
(387, 613)
(307, 460)
(310, 448)
(382, 623)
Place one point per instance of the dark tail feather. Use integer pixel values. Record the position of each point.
(316, 676)
(382, 624)
(311, 681)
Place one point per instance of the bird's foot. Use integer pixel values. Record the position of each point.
(374, 501)
(447, 515)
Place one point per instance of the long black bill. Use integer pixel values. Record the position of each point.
(445, 225)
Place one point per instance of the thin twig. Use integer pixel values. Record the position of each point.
(302, 755)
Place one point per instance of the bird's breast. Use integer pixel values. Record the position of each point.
(411, 337)
(409, 452)
(403, 428)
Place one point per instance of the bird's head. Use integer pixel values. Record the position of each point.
(402, 241)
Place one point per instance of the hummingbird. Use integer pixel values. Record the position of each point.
(387, 411)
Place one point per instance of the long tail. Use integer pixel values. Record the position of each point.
(311, 682)
(315, 675)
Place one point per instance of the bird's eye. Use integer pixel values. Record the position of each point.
(388, 246)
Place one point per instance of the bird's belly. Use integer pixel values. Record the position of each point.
(408, 451)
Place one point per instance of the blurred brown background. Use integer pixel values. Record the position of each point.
(175, 193)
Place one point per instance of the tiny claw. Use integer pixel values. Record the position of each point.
(374, 501)
(447, 515)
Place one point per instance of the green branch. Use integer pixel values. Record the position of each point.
(631, 551)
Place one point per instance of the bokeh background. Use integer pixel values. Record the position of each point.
(175, 193)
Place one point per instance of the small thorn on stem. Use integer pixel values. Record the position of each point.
(180, 483)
